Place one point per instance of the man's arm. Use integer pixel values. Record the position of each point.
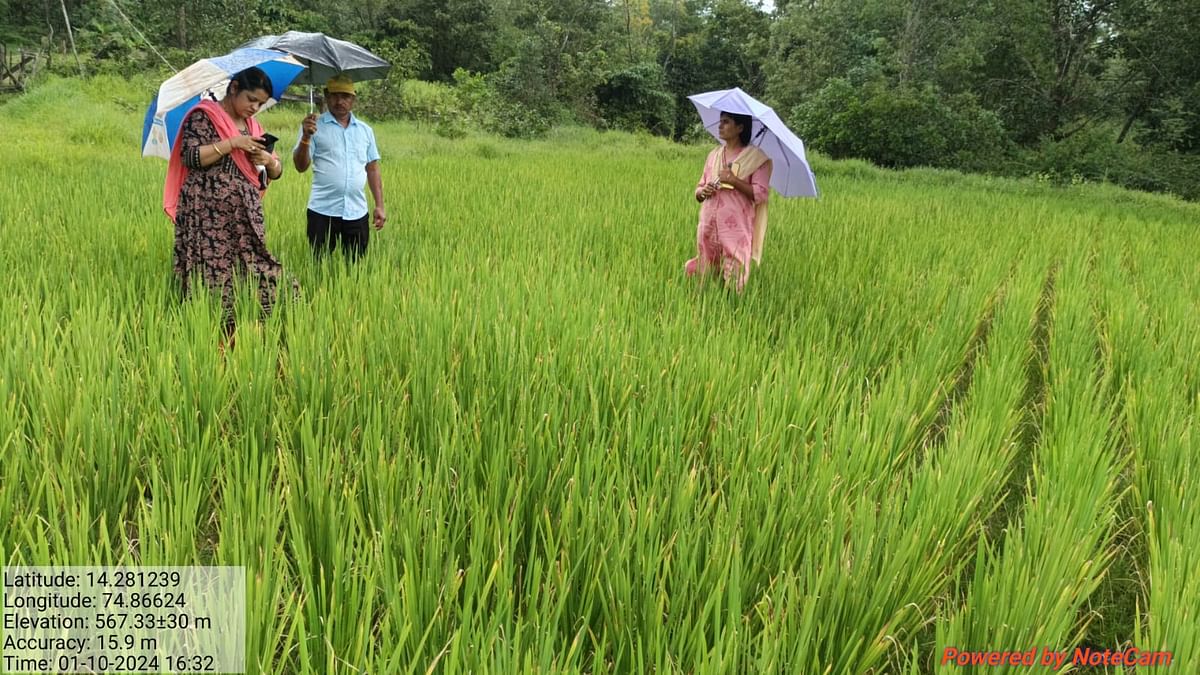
(375, 183)
(301, 157)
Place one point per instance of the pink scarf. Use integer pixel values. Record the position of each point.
(226, 129)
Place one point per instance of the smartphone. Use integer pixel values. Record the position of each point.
(269, 141)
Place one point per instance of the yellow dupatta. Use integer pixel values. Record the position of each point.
(749, 161)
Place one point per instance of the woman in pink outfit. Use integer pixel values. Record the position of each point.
(733, 196)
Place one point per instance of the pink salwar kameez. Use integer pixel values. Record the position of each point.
(725, 236)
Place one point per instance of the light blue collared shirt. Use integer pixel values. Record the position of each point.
(339, 161)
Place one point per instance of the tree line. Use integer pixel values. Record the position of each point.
(1061, 89)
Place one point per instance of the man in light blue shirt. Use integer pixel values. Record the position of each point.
(341, 149)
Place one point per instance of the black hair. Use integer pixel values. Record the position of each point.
(251, 79)
(746, 122)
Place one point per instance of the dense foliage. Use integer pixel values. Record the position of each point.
(1067, 89)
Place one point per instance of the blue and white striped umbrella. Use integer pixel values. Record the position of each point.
(208, 78)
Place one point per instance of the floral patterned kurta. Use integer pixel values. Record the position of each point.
(219, 234)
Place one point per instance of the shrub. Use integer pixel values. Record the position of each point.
(522, 103)
(451, 127)
(1093, 155)
(636, 98)
(428, 102)
(900, 126)
(474, 95)
(384, 99)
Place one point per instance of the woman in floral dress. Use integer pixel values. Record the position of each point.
(218, 172)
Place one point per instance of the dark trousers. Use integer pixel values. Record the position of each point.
(325, 233)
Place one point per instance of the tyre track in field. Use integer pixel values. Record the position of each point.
(1017, 490)
(960, 384)
(1034, 404)
(1040, 573)
(1113, 615)
(881, 505)
(933, 436)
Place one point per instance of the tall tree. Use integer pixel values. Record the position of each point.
(814, 41)
(562, 50)
(455, 33)
(1043, 71)
(1157, 40)
(737, 40)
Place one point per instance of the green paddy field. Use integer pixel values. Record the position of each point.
(948, 411)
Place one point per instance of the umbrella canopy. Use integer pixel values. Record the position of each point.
(790, 173)
(208, 77)
(325, 56)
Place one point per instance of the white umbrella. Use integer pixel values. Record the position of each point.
(790, 173)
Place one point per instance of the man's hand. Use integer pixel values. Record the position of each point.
(309, 126)
(380, 217)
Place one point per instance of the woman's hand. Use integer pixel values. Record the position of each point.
(708, 191)
(742, 186)
(260, 157)
(214, 153)
(245, 143)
